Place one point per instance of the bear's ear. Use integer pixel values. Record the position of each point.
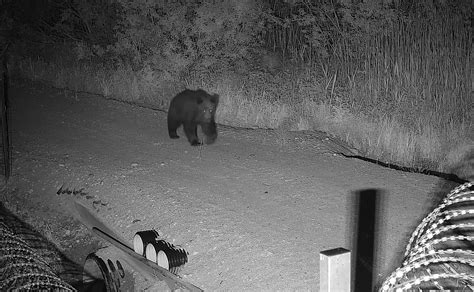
(215, 99)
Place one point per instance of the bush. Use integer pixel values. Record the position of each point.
(174, 38)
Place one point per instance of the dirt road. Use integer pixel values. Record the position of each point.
(252, 212)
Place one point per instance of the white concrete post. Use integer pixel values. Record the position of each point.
(335, 270)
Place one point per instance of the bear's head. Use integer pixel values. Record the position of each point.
(207, 105)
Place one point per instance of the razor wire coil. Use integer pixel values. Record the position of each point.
(440, 252)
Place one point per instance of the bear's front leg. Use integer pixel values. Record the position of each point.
(210, 130)
(190, 129)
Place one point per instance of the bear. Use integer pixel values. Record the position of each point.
(191, 108)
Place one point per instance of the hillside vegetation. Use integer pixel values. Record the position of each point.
(394, 80)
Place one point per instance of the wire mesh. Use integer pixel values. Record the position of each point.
(22, 269)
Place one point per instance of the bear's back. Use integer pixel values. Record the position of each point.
(190, 97)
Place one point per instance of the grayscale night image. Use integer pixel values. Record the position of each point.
(237, 145)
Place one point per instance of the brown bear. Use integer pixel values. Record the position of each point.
(191, 108)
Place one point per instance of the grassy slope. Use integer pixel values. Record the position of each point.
(407, 125)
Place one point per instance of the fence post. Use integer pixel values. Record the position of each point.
(4, 114)
(335, 270)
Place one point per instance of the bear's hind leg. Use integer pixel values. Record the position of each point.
(172, 127)
(190, 129)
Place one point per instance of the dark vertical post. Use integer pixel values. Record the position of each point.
(4, 113)
(365, 240)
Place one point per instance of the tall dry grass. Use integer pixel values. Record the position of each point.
(421, 65)
(405, 97)
(417, 78)
(122, 83)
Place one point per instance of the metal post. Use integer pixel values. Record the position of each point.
(366, 238)
(4, 113)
